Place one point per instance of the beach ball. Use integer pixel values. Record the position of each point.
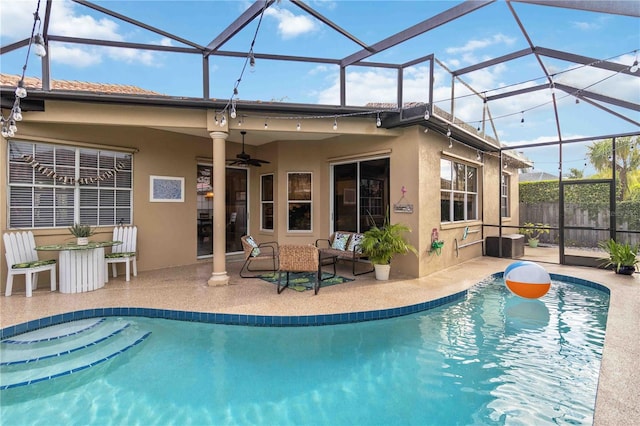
(527, 279)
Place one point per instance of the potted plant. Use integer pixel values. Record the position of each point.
(82, 233)
(623, 257)
(380, 244)
(533, 231)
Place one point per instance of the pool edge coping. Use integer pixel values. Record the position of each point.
(264, 320)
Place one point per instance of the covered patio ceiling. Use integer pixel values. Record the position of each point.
(551, 89)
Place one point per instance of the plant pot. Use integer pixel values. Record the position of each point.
(533, 242)
(626, 270)
(83, 241)
(382, 272)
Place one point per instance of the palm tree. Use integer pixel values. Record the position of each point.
(627, 161)
(575, 174)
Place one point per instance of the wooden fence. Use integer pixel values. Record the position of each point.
(575, 215)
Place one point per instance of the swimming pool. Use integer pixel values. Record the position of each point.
(490, 358)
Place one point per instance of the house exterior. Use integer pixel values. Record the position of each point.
(116, 154)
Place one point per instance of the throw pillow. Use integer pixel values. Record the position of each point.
(340, 241)
(255, 251)
(355, 241)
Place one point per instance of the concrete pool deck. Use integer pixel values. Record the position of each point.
(186, 289)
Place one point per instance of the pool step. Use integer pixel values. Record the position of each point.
(55, 332)
(65, 349)
(15, 351)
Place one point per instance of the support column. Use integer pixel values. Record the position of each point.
(219, 275)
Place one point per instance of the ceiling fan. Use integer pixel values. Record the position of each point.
(245, 159)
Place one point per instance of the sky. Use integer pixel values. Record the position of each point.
(286, 29)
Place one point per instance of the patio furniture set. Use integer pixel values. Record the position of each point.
(82, 268)
(288, 258)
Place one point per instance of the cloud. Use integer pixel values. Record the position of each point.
(67, 21)
(74, 56)
(16, 19)
(290, 25)
(132, 56)
(585, 26)
(474, 45)
(320, 69)
(165, 41)
(324, 4)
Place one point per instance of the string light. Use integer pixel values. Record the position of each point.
(21, 92)
(378, 121)
(448, 131)
(298, 126)
(252, 62)
(17, 113)
(450, 143)
(233, 113)
(335, 124)
(8, 127)
(38, 46)
(478, 157)
(427, 114)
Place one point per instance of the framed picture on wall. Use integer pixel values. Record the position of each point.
(349, 196)
(166, 189)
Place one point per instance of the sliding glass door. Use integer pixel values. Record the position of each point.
(360, 192)
(235, 209)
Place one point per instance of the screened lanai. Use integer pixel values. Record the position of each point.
(535, 85)
(508, 61)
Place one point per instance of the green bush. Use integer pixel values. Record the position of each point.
(591, 197)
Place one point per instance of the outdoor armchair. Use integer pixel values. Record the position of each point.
(265, 254)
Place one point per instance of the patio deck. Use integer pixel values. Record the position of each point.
(185, 288)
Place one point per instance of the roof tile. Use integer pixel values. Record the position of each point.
(12, 80)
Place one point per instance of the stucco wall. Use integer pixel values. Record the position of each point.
(168, 231)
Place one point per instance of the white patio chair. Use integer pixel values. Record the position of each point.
(22, 258)
(123, 253)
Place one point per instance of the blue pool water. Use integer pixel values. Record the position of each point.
(491, 358)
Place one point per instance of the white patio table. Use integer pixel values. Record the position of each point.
(81, 267)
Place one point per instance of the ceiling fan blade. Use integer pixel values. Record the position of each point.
(255, 163)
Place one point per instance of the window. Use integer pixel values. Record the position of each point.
(504, 195)
(266, 202)
(299, 201)
(458, 191)
(59, 185)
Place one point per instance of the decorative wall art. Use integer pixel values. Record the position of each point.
(166, 189)
(349, 196)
